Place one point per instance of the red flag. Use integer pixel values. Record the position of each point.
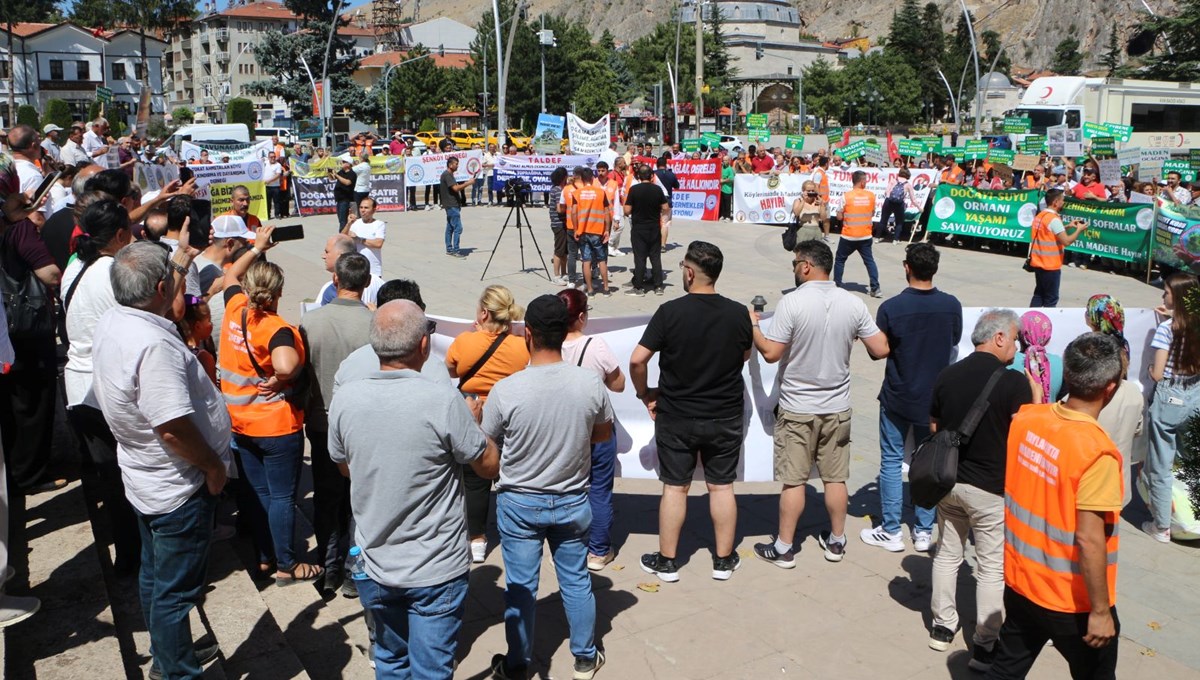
(893, 150)
(845, 137)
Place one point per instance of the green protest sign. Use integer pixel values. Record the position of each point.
(1016, 125)
(853, 150)
(1177, 236)
(911, 148)
(932, 144)
(834, 135)
(977, 149)
(1003, 215)
(794, 142)
(710, 139)
(1121, 133)
(1004, 156)
(1120, 231)
(1105, 147)
(1033, 144)
(690, 145)
(1094, 130)
(1184, 168)
(761, 135)
(959, 152)
(104, 95)
(756, 120)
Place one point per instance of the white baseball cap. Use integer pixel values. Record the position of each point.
(51, 128)
(231, 226)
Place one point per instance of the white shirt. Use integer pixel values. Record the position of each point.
(271, 174)
(92, 298)
(609, 156)
(73, 154)
(30, 177)
(60, 197)
(191, 282)
(370, 231)
(370, 293)
(146, 376)
(362, 181)
(91, 144)
(51, 148)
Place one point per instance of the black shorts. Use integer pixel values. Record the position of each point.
(560, 242)
(718, 444)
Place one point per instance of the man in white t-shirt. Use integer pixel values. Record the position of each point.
(368, 234)
(362, 178)
(50, 141)
(93, 141)
(272, 173)
(72, 152)
(23, 145)
(812, 332)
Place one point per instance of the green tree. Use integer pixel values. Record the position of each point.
(932, 53)
(992, 47)
(92, 13)
(27, 115)
(906, 34)
(647, 58)
(94, 110)
(595, 95)
(1068, 61)
(239, 110)
(42, 11)
(883, 86)
(1182, 31)
(183, 115)
(1112, 56)
(412, 88)
(57, 112)
(623, 85)
(718, 64)
(958, 63)
(821, 90)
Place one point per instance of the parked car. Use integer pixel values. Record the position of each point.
(511, 136)
(463, 139)
(430, 139)
(730, 143)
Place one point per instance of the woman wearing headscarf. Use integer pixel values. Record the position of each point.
(1044, 368)
(1121, 418)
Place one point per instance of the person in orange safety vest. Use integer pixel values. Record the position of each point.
(858, 213)
(1048, 238)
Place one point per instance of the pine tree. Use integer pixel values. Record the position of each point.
(1182, 32)
(931, 54)
(1068, 61)
(906, 36)
(718, 68)
(821, 87)
(1112, 56)
(992, 47)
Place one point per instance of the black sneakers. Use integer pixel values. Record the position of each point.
(834, 551)
(723, 567)
(768, 553)
(502, 672)
(205, 654)
(940, 638)
(981, 659)
(585, 669)
(664, 568)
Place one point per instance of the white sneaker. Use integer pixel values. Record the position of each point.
(922, 540)
(15, 609)
(478, 551)
(1162, 536)
(559, 280)
(882, 539)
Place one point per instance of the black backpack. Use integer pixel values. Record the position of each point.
(29, 305)
(934, 468)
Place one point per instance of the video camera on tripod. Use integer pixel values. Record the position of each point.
(517, 192)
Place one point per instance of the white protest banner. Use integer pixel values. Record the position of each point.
(215, 182)
(426, 169)
(1110, 171)
(760, 199)
(1154, 155)
(1130, 156)
(587, 139)
(237, 153)
(536, 169)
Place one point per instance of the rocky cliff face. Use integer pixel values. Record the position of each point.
(1030, 28)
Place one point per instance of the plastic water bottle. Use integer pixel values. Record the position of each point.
(358, 564)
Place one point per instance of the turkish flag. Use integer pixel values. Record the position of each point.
(893, 150)
(845, 137)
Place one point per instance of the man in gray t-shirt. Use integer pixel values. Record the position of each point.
(452, 202)
(402, 439)
(546, 417)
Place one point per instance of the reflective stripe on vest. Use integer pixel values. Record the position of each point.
(590, 215)
(857, 213)
(1064, 539)
(253, 414)
(1047, 252)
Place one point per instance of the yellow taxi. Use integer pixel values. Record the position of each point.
(511, 136)
(463, 139)
(431, 139)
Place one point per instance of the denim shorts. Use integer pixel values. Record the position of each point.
(592, 248)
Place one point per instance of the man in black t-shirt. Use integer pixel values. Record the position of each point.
(646, 206)
(703, 340)
(452, 201)
(343, 192)
(670, 182)
(976, 503)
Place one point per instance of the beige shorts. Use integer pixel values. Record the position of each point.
(802, 441)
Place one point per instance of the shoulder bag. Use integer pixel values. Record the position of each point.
(482, 360)
(297, 392)
(29, 305)
(934, 469)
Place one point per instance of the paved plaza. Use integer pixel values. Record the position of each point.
(866, 617)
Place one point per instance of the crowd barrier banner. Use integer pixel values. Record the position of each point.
(1177, 236)
(216, 182)
(768, 199)
(699, 194)
(1118, 231)
(964, 211)
(536, 169)
(314, 194)
(426, 169)
(587, 139)
(238, 153)
(637, 455)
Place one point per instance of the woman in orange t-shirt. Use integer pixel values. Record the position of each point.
(493, 326)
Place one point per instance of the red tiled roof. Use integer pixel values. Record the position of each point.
(382, 59)
(264, 9)
(24, 30)
(459, 114)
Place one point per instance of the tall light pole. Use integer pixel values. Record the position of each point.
(974, 57)
(699, 5)
(953, 101)
(545, 39)
(499, 80)
(387, 71)
(333, 26)
(675, 78)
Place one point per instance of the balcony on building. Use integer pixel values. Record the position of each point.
(222, 57)
(222, 35)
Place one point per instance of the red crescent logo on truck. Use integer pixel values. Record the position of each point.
(1046, 94)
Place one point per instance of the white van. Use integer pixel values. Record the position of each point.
(209, 132)
(264, 133)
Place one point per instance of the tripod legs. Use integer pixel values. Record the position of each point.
(522, 222)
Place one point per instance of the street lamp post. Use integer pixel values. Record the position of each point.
(699, 7)
(974, 57)
(333, 25)
(387, 71)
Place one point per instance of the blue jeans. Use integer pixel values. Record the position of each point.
(453, 228)
(415, 629)
(477, 189)
(845, 249)
(1174, 402)
(526, 521)
(171, 581)
(604, 463)
(1045, 288)
(343, 214)
(893, 429)
(272, 467)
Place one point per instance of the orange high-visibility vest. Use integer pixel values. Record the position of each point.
(1047, 252)
(952, 175)
(1049, 449)
(858, 212)
(252, 414)
(822, 183)
(592, 207)
(568, 196)
(616, 195)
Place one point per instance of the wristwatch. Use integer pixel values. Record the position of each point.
(178, 268)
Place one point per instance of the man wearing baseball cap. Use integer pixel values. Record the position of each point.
(548, 416)
(50, 141)
(229, 236)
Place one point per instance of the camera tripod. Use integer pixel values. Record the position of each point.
(522, 222)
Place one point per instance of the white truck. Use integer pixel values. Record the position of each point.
(1163, 114)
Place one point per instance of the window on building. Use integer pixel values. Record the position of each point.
(56, 69)
(118, 71)
(83, 70)
(1164, 117)
(4, 68)
(139, 70)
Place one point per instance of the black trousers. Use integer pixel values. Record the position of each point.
(1027, 627)
(103, 477)
(331, 506)
(412, 199)
(647, 243)
(894, 209)
(273, 202)
(726, 206)
(436, 191)
(479, 499)
(27, 397)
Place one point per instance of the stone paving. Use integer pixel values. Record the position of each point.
(864, 617)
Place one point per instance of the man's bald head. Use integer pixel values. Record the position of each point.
(79, 184)
(337, 246)
(398, 334)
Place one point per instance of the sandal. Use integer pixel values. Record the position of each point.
(299, 573)
(266, 569)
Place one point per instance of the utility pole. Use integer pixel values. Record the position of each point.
(975, 58)
(325, 85)
(699, 5)
(499, 79)
(542, 49)
(675, 78)
(485, 97)
(11, 119)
